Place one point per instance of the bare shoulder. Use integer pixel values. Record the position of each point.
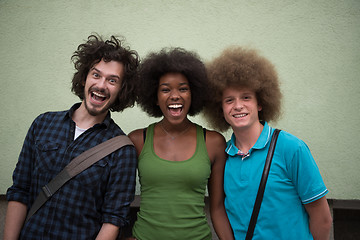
(215, 145)
(136, 135)
(137, 138)
(214, 137)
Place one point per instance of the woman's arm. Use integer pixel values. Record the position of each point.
(215, 144)
(137, 137)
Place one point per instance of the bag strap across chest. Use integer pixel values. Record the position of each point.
(262, 185)
(76, 166)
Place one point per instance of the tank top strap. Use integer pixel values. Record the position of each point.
(149, 135)
(200, 137)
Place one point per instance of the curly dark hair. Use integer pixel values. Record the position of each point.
(171, 60)
(95, 50)
(241, 67)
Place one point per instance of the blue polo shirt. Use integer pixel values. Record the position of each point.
(294, 180)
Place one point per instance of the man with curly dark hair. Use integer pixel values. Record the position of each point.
(95, 203)
(177, 158)
(246, 96)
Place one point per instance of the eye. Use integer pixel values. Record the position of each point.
(112, 81)
(247, 97)
(228, 100)
(164, 90)
(184, 89)
(95, 75)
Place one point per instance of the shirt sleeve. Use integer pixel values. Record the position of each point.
(20, 190)
(120, 190)
(305, 174)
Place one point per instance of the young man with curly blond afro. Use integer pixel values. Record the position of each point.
(246, 96)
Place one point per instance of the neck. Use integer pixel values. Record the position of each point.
(175, 128)
(173, 131)
(246, 138)
(84, 119)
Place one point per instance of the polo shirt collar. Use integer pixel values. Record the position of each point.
(263, 139)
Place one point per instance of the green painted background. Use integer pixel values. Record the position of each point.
(315, 46)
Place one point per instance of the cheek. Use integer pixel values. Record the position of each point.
(159, 99)
(226, 116)
(225, 111)
(189, 99)
(225, 108)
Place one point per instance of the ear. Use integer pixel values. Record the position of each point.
(259, 108)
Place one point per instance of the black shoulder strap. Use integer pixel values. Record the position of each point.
(77, 165)
(262, 185)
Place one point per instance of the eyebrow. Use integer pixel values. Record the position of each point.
(111, 76)
(228, 97)
(182, 83)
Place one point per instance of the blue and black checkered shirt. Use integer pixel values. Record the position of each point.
(100, 194)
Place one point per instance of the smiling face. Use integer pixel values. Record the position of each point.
(174, 97)
(102, 86)
(240, 107)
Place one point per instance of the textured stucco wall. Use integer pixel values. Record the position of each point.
(313, 44)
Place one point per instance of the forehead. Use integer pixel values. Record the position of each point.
(111, 68)
(237, 90)
(173, 79)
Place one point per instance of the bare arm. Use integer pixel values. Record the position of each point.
(215, 144)
(137, 138)
(320, 219)
(108, 231)
(15, 217)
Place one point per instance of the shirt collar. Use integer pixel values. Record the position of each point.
(263, 139)
(70, 112)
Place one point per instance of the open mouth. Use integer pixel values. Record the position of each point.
(98, 97)
(175, 109)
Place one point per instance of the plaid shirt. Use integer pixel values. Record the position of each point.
(99, 194)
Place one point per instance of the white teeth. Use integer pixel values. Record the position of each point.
(240, 115)
(98, 94)
(175, 106)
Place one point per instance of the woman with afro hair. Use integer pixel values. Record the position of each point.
(177, 158)
(246, 96)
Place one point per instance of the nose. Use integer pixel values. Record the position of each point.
(174, 95)
(238, 105)
(102, 83)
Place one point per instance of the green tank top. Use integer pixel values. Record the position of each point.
(172, 194)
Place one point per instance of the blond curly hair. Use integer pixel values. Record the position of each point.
(241, 67)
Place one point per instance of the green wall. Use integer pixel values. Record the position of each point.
(313, 44)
